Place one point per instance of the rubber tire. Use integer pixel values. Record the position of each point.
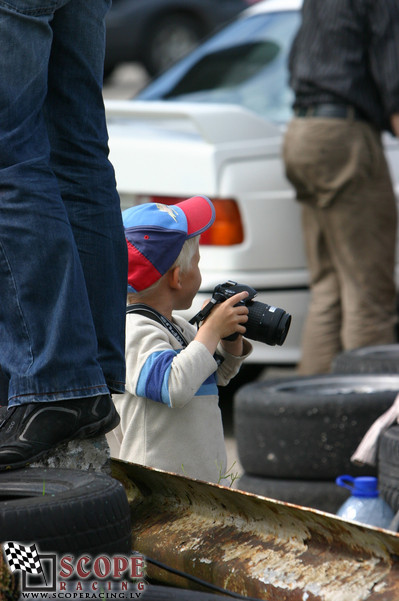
(382, 359)
(79, 512)
(324, 495)
(307, 428)
(388, 466)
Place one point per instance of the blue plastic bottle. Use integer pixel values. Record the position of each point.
(364, 505)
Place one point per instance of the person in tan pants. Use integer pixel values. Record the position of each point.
(334, 158)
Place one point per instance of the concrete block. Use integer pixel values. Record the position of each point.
(90, 454)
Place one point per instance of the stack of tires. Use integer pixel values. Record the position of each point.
(296, 435)
(384, 360)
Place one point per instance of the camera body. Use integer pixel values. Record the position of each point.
(266, 323)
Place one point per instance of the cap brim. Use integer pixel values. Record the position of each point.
(200, 214)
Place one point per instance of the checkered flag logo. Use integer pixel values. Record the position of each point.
(23, 558)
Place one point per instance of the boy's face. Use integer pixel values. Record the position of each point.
(190, 282)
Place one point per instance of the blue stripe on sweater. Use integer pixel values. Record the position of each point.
(154, 377)
(209, 387)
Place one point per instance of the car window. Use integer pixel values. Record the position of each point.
(245, 64)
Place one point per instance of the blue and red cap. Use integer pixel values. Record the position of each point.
(155, 234)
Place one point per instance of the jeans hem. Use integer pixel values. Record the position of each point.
(64, 395)
(116, 387)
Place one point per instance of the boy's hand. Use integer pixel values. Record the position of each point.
(224, 319)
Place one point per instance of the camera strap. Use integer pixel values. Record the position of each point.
(156, 316)
(201, 315)
(164, 321)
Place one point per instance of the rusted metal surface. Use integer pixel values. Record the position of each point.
(256, 546)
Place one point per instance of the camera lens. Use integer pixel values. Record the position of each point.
(266, 323)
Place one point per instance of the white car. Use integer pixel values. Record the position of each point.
(213, 124)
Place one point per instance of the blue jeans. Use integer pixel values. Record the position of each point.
(62, 248)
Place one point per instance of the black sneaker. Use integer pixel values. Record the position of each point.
(29, 432)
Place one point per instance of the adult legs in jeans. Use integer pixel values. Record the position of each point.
(349, 225)
(78, 136)
(62, 249)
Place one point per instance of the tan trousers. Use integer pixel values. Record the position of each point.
(349, 223)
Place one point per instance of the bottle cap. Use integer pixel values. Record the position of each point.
(363, 486)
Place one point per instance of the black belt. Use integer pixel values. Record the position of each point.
(335, 111)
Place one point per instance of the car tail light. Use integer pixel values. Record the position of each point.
(227, 228)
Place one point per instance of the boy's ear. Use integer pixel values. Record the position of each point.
(174, 278)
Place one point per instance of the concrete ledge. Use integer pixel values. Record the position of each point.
(91, 454)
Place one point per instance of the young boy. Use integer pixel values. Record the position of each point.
(170, 415)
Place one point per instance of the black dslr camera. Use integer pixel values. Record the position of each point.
(265, 323)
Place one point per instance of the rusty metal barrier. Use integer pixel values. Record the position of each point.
(255, 546)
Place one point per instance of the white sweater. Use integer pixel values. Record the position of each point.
(170, 415)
